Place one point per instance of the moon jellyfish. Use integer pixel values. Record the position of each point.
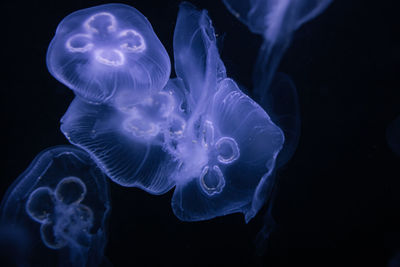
(393, 136)
(200, 133)
(106, 52)
(276, 21)
(62, 201)
(229, 145)
(126, 141)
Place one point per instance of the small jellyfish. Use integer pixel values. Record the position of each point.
(276, 21)
(62, 202)
(229, 145)
(126, 140)
(104, 51)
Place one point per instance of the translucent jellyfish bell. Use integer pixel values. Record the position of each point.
(126, 140)
(62, 202)
(229, 146)
(103, 51)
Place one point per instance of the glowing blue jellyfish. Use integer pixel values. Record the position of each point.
(106, 52)
(229, 144)
(199, 133)
(62, 200)
(276, 21)
(126, 141)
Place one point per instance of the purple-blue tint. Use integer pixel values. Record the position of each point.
(229, 145)
(125, 141)
(62, 202)
(276, 21)
(200, 133)
(272, 18)
(107, 51)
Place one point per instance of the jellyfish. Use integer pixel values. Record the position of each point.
(126, 140)
(124, 134)
(276, 21)
(62, 202)
(228, 148)
(276, 93)
(108, 52)
(283, 107)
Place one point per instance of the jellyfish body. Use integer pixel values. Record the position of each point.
(276, 21)
(126, 141)
(229, 145)
(200, 133)
(62, 200)
(107, 51)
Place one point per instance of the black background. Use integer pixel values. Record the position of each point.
(337, 202)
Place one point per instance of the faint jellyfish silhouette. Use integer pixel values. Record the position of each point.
(229, 145)
(62, 201)
(276, 21)
(282, 105)
(107, 51)
(393, 136)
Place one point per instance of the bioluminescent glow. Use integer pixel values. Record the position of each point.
(276, 21)
(106, 50)
(62, 216)
(200, 133)
(62, 201)
(197, 133)
(230, 144)
(126, 141)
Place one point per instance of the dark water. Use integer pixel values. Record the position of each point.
(337, 202)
